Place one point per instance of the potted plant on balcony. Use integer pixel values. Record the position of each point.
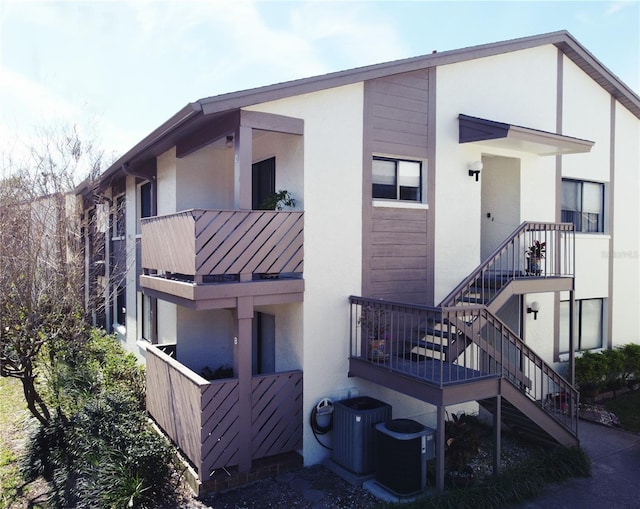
(535, 253)
(374, 325)
(278, 201)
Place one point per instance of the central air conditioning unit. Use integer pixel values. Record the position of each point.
(354, 434)
(403, 448)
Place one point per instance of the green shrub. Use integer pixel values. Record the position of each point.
(631, 355)
(591, 372)
(99, 450)
(513, 486)
(607, 370)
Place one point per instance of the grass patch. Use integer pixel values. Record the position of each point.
(12, 416)
(627, 409)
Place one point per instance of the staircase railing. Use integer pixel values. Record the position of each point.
(416, 341)
(515, 258)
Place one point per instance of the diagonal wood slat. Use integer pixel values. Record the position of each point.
(276, 414)
(202, 417)
(224, 242)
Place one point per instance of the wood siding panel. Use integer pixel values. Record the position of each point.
(398, 250)
(396, 263)
(398, 113)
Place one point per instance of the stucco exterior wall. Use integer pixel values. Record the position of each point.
(205, 338)
(332, 237)
(204, 179)
(517, 88)
(626, 239)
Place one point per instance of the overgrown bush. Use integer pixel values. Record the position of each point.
(607, 370)
(99, 450)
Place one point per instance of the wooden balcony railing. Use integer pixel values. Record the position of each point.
(224, 243)
(201, 417)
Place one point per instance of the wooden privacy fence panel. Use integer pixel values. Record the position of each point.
(224, 242)
(276, 415)
(199, 416)
(168, 243)
(220, 413)
(174, 401)
(202, 417)
(247, 242)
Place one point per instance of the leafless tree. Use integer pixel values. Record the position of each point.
(41, 260)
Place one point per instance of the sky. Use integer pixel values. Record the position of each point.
(121, 68)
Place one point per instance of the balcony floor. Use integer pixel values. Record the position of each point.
(223, 294)
(429, 380)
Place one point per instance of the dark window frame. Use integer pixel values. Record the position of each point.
(579, 324)
(579, 218)
(121, 306)
(397, 192)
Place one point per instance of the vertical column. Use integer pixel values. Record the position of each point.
(440, 438)
(497, 436)
(242, 168)
(572, 339)
(242, 370)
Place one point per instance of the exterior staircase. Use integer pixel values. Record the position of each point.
(461, 349)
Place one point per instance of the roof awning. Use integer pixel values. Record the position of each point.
(513, 137)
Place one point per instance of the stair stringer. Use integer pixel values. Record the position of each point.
(536, 422)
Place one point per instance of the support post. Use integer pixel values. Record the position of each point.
(242, 168)
(497, 436)
(242, 345)
(572, 338)
(440, 438)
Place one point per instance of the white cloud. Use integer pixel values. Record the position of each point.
(25, 103)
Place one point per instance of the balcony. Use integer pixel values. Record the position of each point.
(205, 418)
(199, 255)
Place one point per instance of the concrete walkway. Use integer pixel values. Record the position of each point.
(615, 480)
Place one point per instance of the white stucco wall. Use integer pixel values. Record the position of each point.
(205, 338)
(626, 230)
(288, 150)
(333, 138)
(502, 88)
(166, 182)
(586, 114)
(204, 179)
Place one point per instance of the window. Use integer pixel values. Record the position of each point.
(589, 323)
(263, 182)
(397, 179)
(148, 315)
(146, 209)
(583, 205)
(145, 203)
(119, 217)
(121, 306)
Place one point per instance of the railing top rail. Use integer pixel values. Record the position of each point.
(354, 299)
(194, 212)
(181, 368)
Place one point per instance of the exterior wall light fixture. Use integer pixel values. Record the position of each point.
(474, 169)
(534, 307)
(229, 142)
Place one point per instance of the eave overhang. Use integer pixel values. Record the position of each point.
(513, 137)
